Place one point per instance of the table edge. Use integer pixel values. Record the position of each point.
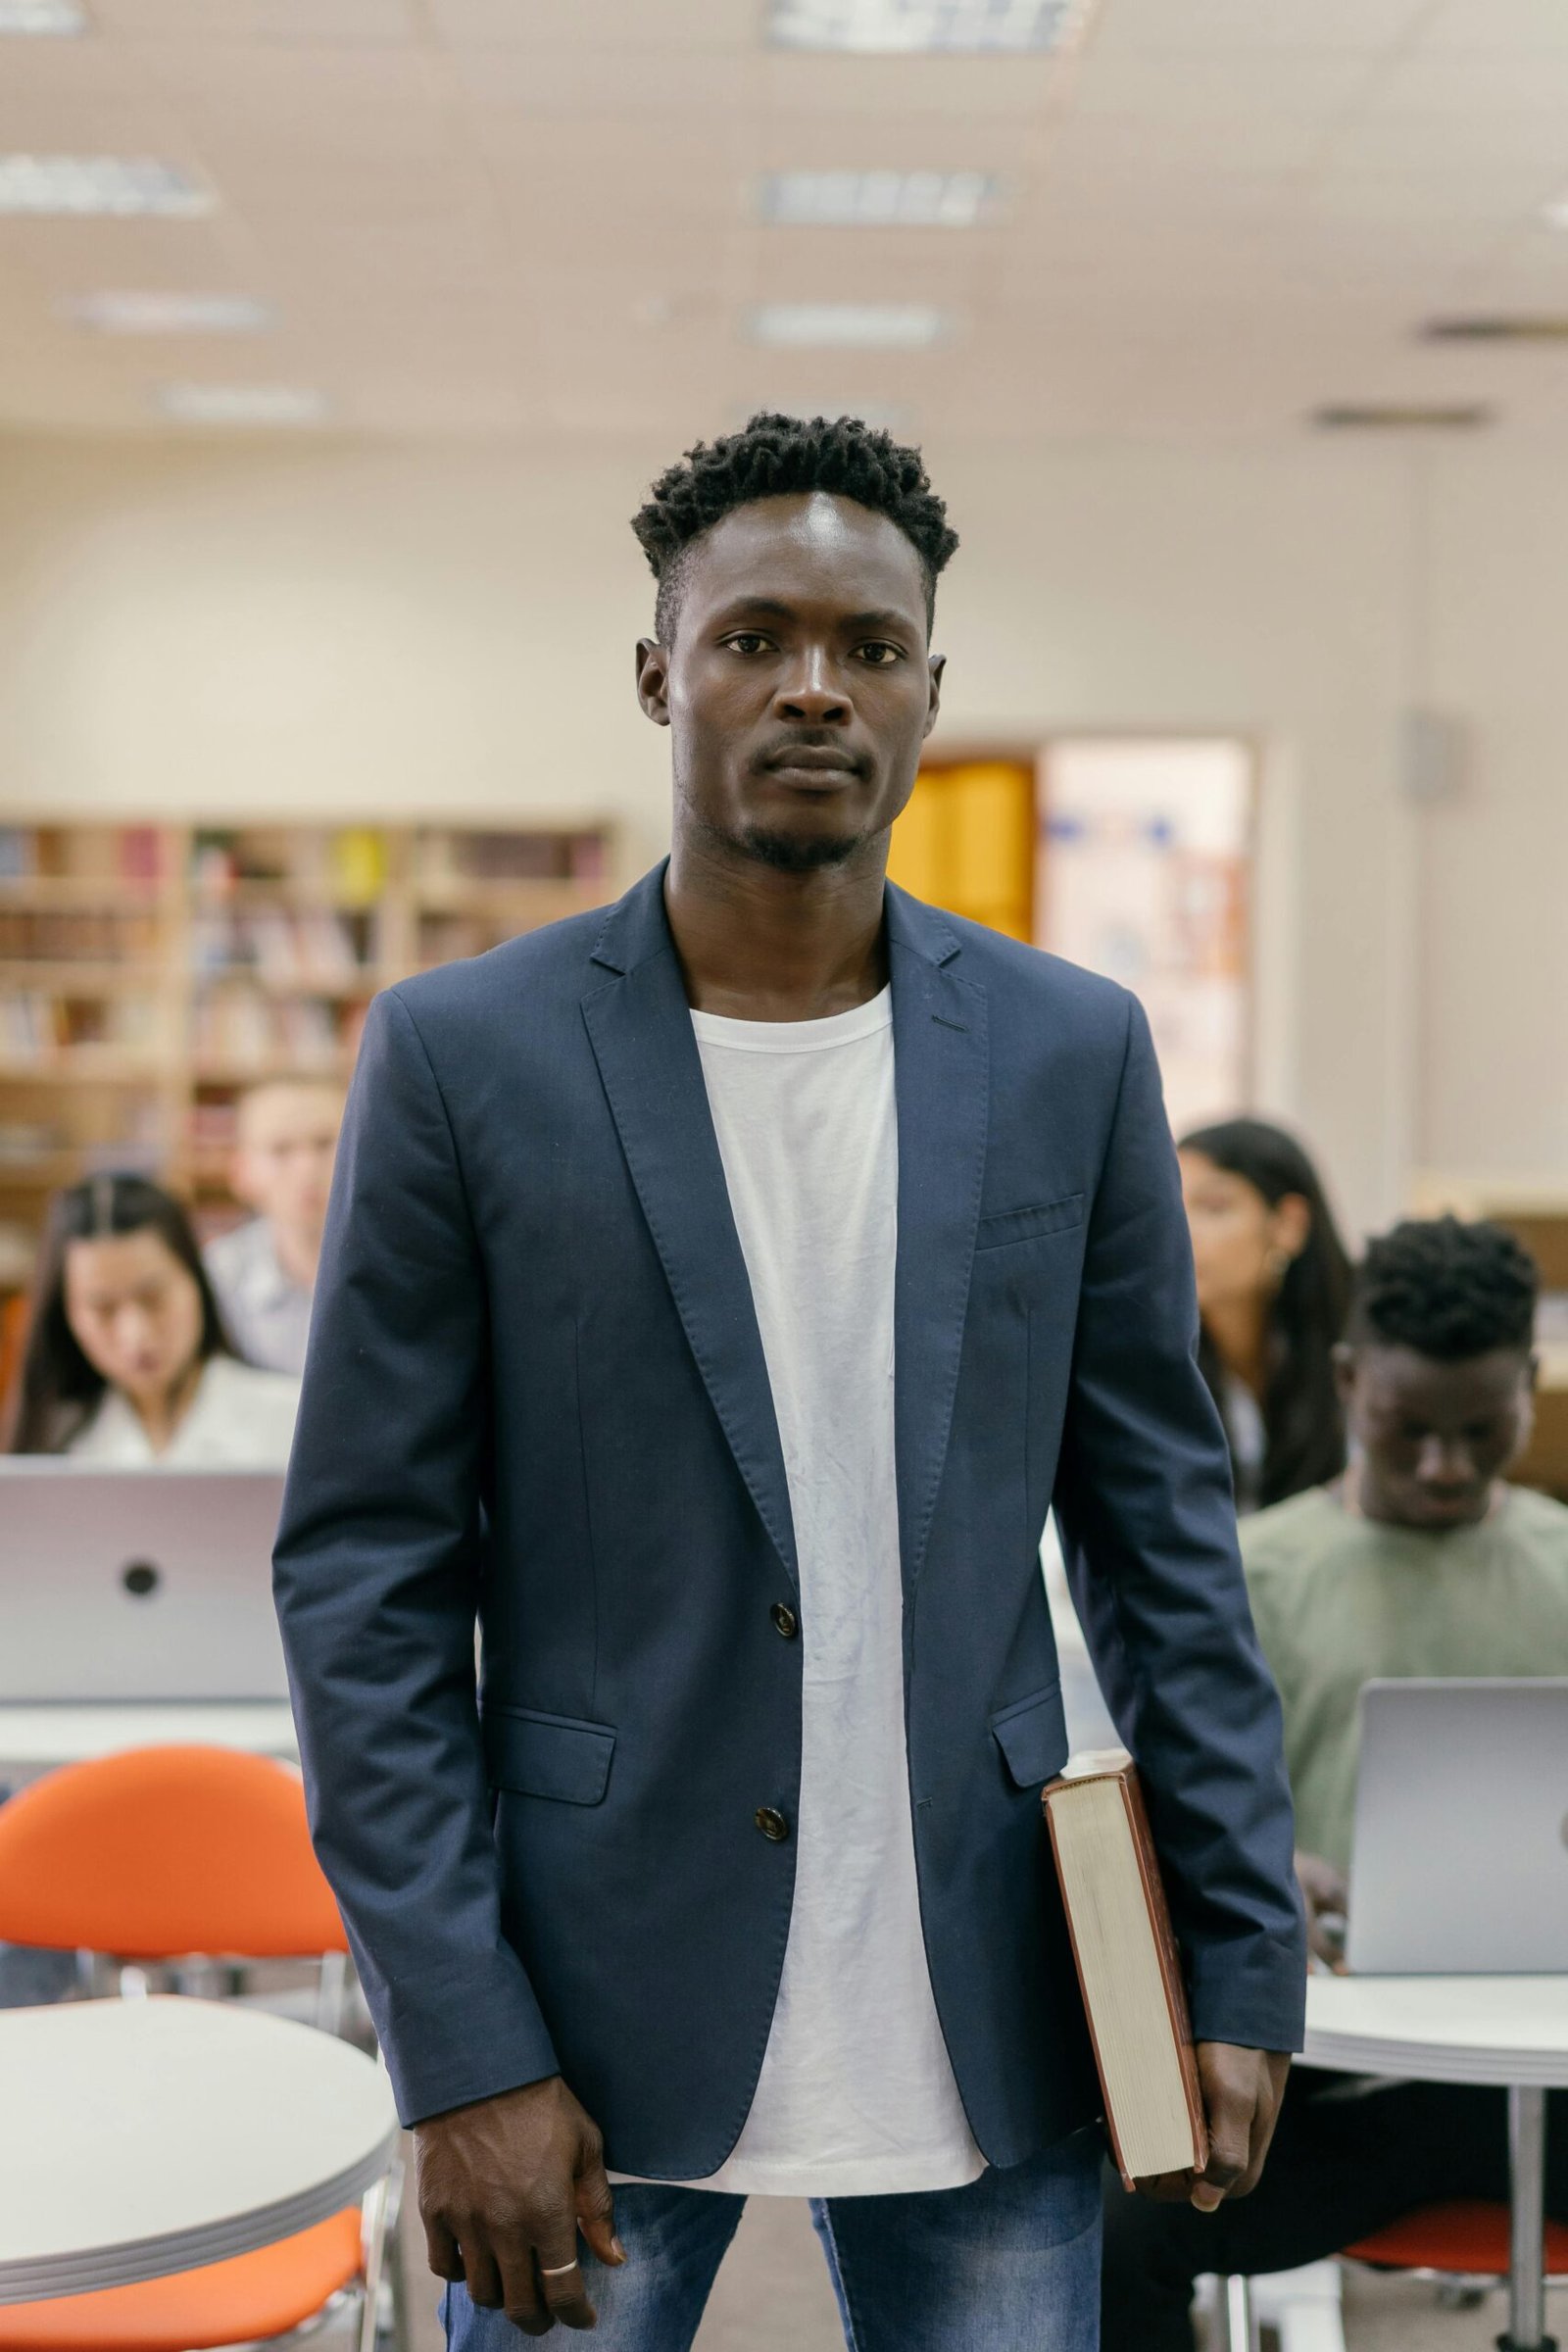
(51, 2277)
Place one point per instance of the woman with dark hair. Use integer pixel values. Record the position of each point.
(126, 1361)
(1273, 1286)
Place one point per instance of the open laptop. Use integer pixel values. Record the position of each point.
(1462, 1829)
(137, 1584)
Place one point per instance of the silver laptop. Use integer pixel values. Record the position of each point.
(1462, 1829)
(137, 1584)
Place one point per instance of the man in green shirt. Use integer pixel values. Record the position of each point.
(1420, 1562)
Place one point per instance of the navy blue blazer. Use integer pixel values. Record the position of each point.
(536, 1396)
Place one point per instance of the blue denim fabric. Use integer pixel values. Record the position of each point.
(1011, 2261)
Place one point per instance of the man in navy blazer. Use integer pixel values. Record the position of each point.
(718, 1291)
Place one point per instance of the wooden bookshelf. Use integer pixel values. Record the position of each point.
(151, 970)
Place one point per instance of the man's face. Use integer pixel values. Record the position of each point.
(799, 689)
(288, 1138)
(1434, 1436)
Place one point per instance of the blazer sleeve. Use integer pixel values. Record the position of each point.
(376, 1575)
(1143, 1501)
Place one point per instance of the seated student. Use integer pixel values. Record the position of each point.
(264, 1272)
(127, 1361)
(1273, 1282)
(1419, 1561)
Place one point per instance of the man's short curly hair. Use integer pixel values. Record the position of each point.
(1445, 1289)
(783, 457)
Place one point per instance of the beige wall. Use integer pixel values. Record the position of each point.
(392, 629)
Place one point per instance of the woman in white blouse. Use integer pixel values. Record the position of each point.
(127, 1361)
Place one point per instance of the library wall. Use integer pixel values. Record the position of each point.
(337, 631)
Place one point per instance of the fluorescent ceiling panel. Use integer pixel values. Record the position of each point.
(878, 199)
(242, 404)
(890, 26)
(125, 186)
(54, 20)
(133, 314)
(848, 326)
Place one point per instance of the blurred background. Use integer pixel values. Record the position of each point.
(339, 339)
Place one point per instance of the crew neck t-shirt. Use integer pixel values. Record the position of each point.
(1339, 1600)
(857, 2095)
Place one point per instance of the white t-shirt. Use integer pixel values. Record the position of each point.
(857, 2095)
(239, 1419)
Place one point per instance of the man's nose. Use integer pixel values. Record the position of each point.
(1445, 1462)
(812, 692)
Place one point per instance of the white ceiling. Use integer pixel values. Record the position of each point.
(536, 217)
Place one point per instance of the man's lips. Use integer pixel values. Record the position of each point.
(811, 760)
(1452, 1505)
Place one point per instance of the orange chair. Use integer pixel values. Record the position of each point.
(1466, 2239)
(159, 1854)
(1462, 2243)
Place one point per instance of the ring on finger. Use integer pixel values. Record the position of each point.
(559, 2271)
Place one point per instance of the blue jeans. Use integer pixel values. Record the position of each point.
(1009, 2263)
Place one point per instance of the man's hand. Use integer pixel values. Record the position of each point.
(1242, 2093)
(505, 2186)
(1326, 1893)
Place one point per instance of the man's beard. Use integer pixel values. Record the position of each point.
(795, 853)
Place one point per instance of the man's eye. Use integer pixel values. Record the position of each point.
(747, 641)
(880, 654)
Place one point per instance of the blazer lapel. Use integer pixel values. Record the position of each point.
(639, 1025)
(942, 1077)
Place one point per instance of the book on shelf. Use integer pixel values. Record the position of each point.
(36, 1028)
(1128, 1967)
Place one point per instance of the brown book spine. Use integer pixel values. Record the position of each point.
(1165, 1945)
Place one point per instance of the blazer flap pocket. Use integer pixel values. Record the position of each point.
(1028, 1224)
(547, 1755)
(1032, 1733)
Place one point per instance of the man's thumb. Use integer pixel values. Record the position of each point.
(596, 2213)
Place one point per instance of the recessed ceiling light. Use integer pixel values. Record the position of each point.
(880, 27)
(877, 199)
(1547, 328)
(242, 404)
(1377, 416)
(123, 185)
(132, 313)
(849, 326)
(55, 19)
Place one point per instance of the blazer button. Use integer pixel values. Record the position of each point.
(772, 1824)
(785, 1619)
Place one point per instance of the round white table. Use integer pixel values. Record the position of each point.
(140, 2137)
(1507, 2031)
(36, 1735)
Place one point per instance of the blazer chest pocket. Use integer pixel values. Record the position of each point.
(547, 1755)
(1029, 1224)
(1032, 1735)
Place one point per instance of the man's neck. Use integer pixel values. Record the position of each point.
(298, 1253)
(760, 944)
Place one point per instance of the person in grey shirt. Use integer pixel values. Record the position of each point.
(264, 1272)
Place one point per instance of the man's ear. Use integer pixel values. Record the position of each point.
(653, 680)
(937, 664)
(1343, 1372)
